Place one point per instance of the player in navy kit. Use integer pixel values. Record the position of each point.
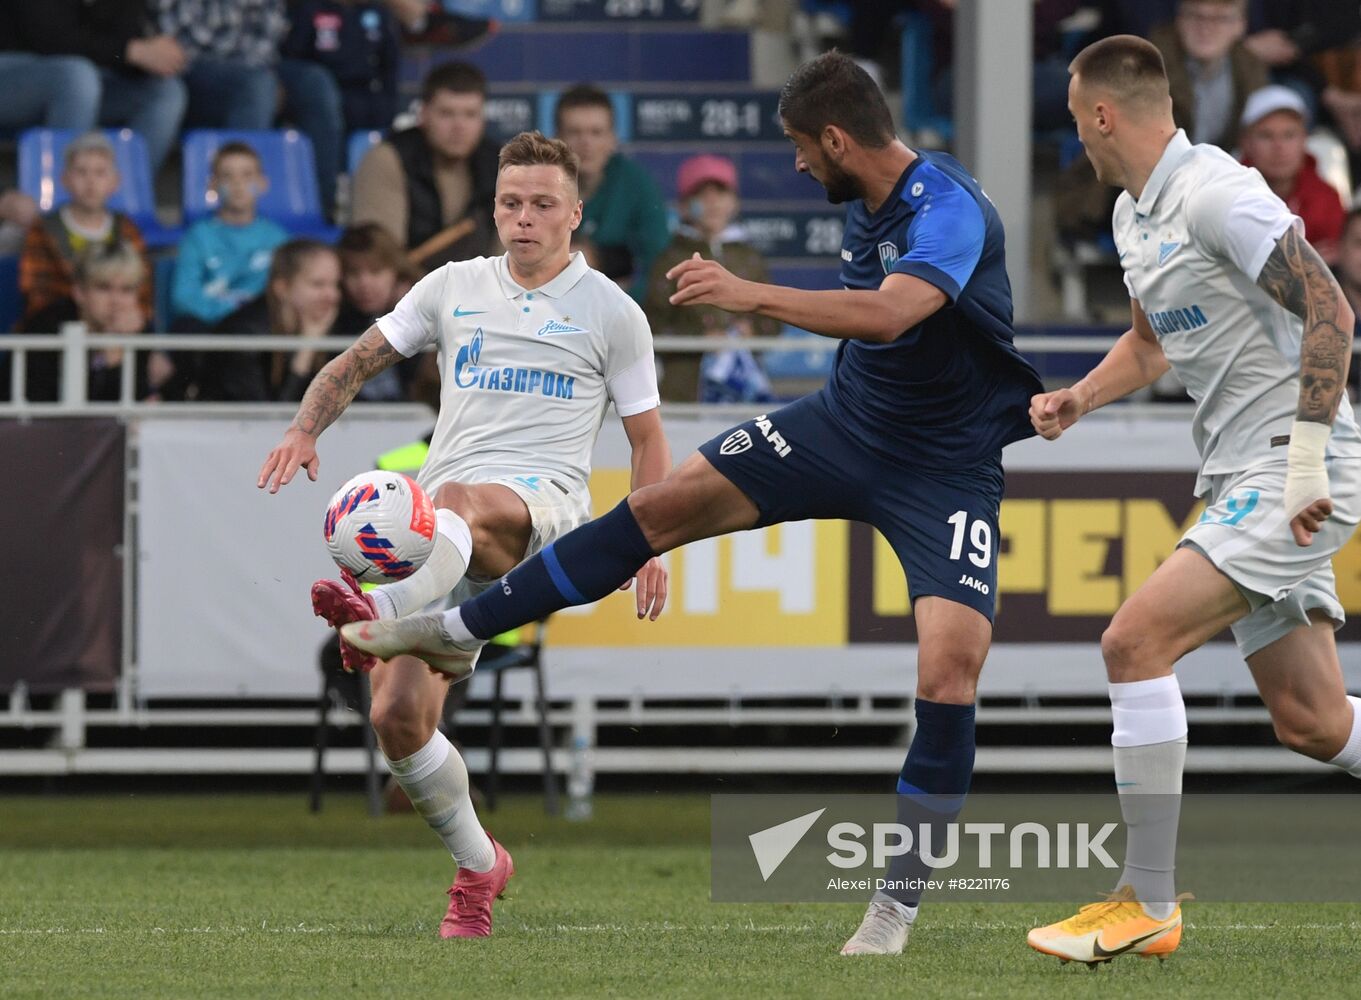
(907, 435)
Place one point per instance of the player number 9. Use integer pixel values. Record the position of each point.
(980, 537)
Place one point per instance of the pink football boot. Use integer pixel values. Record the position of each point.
(341, 604)
(471, 894)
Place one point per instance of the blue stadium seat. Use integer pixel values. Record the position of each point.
(11, 299)
(359, 144)
(40, 167)
(286, 155)
(797, 364)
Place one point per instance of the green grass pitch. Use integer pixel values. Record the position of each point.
(250, 896)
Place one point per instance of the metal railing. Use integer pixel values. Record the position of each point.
(74, 341)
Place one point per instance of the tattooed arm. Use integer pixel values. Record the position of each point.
(333, 388)
(1296, 277)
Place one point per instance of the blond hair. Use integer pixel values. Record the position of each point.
(530, 149)
(101, 261)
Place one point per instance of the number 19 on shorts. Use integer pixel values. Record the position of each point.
(979, 538)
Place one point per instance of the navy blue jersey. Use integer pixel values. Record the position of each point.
(952, 390)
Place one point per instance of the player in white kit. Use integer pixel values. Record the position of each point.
(533, 347)
(1225, 290)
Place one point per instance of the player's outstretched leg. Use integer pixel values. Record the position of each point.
(593, 561)
(603, 554)
(406, 706)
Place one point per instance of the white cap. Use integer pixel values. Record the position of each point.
(1270, 99)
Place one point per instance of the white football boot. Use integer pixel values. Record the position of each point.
(883, 931)
(422, 636)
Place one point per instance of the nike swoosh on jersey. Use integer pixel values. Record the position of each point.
(460, 312)
(1100, 952)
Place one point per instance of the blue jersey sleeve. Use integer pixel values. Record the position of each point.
(944, 239)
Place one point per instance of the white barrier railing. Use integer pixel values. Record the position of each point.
(74, 340)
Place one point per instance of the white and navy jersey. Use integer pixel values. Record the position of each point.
(526, 375)
(1192, 247)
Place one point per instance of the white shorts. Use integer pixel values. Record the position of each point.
(1245, 533)
(554, 510)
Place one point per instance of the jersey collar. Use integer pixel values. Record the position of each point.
(554, 289)
(1177, 147)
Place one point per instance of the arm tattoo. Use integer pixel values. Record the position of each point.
(1296, 277)
(337, 383)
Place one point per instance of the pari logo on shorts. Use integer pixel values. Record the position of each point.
(468, 374)
(740, 440)
(735, 443)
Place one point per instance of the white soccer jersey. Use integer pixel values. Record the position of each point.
(1192, 247)
(525, 375)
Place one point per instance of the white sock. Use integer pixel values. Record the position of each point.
(909, 912)
(453, 624)
(436, 780)
(1349, 758)
(448, 562)
(1149, 738)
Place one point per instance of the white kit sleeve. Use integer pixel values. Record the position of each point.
(414, 320)
(1241, 220)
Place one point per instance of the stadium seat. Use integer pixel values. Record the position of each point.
(291, 199)
(359, 144)
(40, 168)
(797, 365)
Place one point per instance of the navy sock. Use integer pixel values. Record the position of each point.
(580, 567)
(931, 788)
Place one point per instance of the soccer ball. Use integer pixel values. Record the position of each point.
(380, 526)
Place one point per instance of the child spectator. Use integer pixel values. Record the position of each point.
(47, 264)
(1275, 127)
(707, 186)
(374, 274)
(105, 296)
(357, 40)
(302, 297)
(224, 260)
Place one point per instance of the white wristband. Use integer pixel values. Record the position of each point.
(1306, 477)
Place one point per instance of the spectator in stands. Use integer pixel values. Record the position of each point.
(77, 63)
(357, 42)
(426, 22)
(17, 213)
(106, 297)
(1209, 71)
(432, 186)
(623, 220)
(374, 274)
(301, 298)
(235, 76)
(707, 186)
(224, 260)
(55, 240)
(1275, 127)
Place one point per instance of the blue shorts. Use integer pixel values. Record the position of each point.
(800, 462)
